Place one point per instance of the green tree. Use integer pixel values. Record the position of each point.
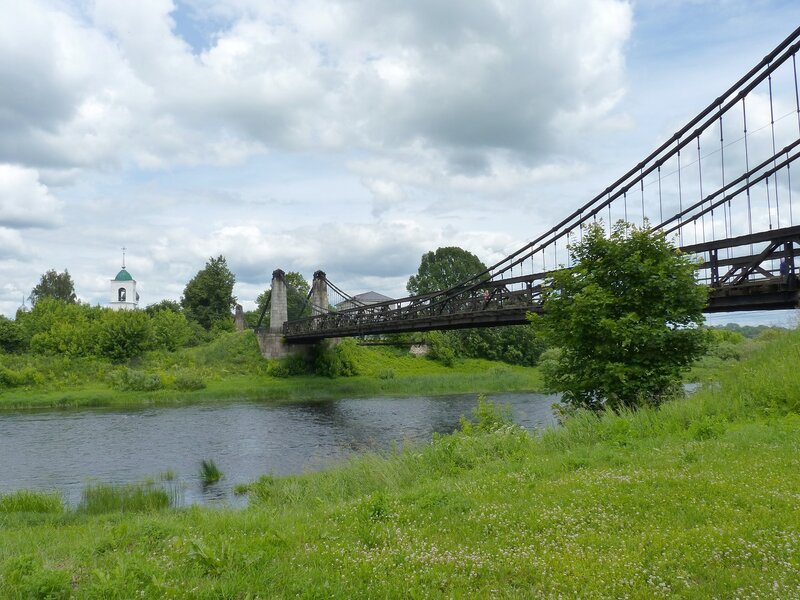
(57, 327)
(447, 267)
(124, 334)
(626, 320)
(208, 297)
(11, 337)
(444, 268)
(170, 305)
(54, 285)
(296, 295)
(171, 330)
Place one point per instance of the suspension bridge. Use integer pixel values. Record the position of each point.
(721, 187)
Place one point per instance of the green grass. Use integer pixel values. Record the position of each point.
(209, 472)
(146, 496)
(698, 499)
(231, 368)
(24, 501)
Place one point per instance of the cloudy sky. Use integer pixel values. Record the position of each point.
(343, 135)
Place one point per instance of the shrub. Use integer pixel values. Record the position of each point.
(440, 351)
(57, 327)
(11, 337)
(336, 361)
(171, 330)
(189, 381)
(487, 416)
(24, 376)
(288, 367)
(124, 334)
(626, 317)
(135, 381)
(386, 374)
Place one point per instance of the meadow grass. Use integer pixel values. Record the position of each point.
(696, 499)
(26, 501)
(99, 498)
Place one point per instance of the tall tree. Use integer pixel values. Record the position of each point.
(54, 285)
(447, 267)
(208, 297)
(625, 317)
(443, 269)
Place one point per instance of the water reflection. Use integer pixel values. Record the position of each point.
(63, 449)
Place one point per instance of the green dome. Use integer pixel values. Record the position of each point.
(123, 276)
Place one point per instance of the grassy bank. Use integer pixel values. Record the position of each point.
(697, 499)
(231, 367)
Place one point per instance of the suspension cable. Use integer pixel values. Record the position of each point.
(747, 169)
(772, 126)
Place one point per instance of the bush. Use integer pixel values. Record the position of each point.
(727, 351)
(11, 337)
(288, 367)
(57, 327)
(133, 380)
(487, 417)
(440, 351)
(171, 330)
(124, 334)
(189, 381)
(336, 361)
(25, 376)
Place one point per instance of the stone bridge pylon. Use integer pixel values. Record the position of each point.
(271, 340)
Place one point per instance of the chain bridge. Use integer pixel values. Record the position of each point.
(721, 187)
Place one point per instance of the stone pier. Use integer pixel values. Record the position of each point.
(271, 342)
(319, 294)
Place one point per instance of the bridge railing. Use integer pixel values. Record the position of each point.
(755, 259)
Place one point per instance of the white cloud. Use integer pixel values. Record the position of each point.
(120, 85)
(24, 202)
(11, 244)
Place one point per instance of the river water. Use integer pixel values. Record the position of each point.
(64, 450)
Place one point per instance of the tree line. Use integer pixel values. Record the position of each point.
(58, 324)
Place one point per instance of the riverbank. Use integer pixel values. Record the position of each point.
(231, 368)
(696, 499)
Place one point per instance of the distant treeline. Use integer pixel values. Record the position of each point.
(749, 331)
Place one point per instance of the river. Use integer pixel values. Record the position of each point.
(66, 449)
